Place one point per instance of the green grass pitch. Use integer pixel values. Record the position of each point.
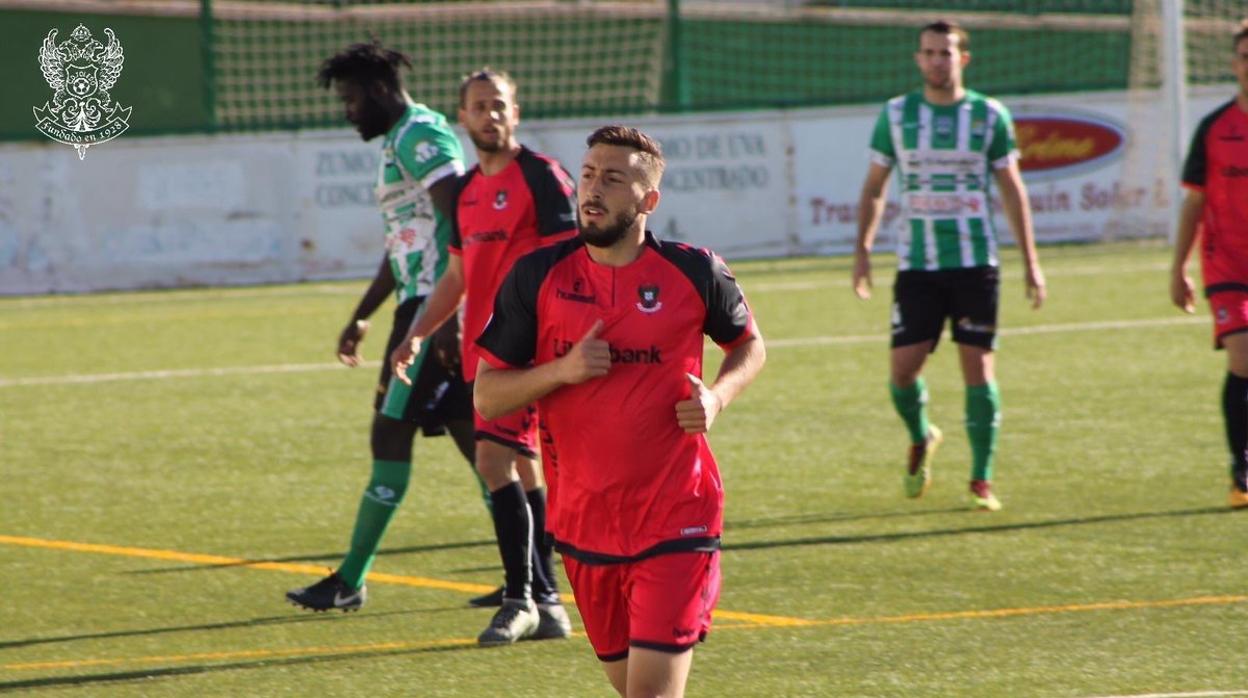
(159, 447)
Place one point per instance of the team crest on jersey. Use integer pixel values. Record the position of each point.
(649, 302)
(500, 200)
(81, 71)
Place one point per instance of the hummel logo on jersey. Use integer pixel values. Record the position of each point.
(575, 294)
(649, 302)
(1233, 171)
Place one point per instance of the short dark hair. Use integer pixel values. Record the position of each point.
(942, 26)
(364, 64)
(1240, 35)
(485, 74)
(649, 149)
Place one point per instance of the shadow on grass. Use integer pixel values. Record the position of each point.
(148, 674)
(252, 623)
(799, 519)
(319, 556)
(1000, 528)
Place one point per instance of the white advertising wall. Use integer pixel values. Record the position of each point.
(241, 209)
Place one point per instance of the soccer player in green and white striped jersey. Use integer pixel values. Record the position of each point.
(948, 144)
(421, 160)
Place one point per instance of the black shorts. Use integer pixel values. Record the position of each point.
(437, 394)
(923, 300)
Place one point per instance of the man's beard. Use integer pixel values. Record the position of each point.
(940, 82)
(373, 124)
(591, 234)
(484, 145)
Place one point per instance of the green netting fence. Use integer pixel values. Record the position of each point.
(249, 65)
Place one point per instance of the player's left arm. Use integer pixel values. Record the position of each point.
(742, 364)
(1003, 157)
(730, 324)
(1018, 213)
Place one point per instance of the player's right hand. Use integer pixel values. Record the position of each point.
(862, 276)
(1183, 291)
(588, 358)
(349, 342)
(403, 356)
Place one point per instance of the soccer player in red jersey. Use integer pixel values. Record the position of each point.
(1215, 207)
(513, 202)
(605, 332)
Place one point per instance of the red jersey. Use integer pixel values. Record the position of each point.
(625, 481)
(500, 218)
(1217, 164)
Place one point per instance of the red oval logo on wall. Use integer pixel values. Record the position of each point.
(1062, 144)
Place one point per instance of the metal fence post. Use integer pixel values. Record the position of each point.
(208, 50)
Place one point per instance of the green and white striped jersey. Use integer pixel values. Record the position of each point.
(945, 156)
(417, 152)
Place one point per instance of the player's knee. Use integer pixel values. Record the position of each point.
(530, 472)
(495, 463)
(392, 439)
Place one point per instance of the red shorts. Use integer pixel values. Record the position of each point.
(1230, 312)
(517, 430)
(661, 603)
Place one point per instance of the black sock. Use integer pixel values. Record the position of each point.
(1235, 411)
(545, 588)
(513, 525)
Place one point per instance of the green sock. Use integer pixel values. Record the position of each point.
(983, 417)
(381, 498)
(911, 404)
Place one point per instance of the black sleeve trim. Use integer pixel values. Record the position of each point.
(511, 333)
(1196, 164)
(554, 193)
(461, 183)
(706, 544)
(727, 313)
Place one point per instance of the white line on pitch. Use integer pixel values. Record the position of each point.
(842, 280)
(772, 343)
(176, 373)
(1009, 332)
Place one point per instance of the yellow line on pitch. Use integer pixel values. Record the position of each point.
(467, 642)
(373, 577)
(1224, 600)
(199, 559)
